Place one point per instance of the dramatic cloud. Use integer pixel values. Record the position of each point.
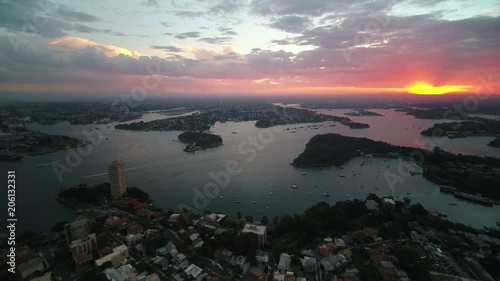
(247, 45)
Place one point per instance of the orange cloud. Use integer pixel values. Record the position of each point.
(81, 43)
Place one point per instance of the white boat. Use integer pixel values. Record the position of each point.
(342, 176)
(238, 201)
(221, 197)
(294, 186)
(347, 195)
(267, 208)
(253, 202)
(326, 194)
(304, 174)
(271, 193)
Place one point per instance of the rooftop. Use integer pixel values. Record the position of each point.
(257, 229)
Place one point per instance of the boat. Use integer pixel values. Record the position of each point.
(362, 186)
(253, 202)
(347, 195)
(376, 187)
(326, 194)
(234, 133)
(267, 208)
(453, 204)
(304, 174)
(294, 186)
(221, 197)
(342, 176)
(238, 201)
(309, 193)
(474, 198)
(323, 172)
(39, 165)
(271, 193)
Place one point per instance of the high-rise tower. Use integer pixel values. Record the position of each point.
(116, 172)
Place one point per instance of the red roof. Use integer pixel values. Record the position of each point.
(331, 246)
(117, 222)
(136, 204)
(324, 251)
(136, 228)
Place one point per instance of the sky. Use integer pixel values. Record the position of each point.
(248, 46)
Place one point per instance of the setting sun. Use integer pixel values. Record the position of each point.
(423, 88)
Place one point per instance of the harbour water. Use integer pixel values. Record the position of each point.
(261, 158)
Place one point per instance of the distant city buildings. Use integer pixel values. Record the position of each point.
(116, 172)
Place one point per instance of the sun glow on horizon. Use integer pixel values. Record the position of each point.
(423, 88)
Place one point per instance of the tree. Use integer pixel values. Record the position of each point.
(142, 267)
(276, 220)
(407, 200)
(264, 220)
(295, 261)
(59, 226)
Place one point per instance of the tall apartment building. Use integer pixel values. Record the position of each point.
(77, 230)
(116, 172)
(82, 249)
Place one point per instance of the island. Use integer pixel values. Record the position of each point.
(495, 142)
(348, 122)
(362, 112)
(472, 127)
(468, 174)
(357, 125)
(199, 140)
(34, 143)
(334, 149)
